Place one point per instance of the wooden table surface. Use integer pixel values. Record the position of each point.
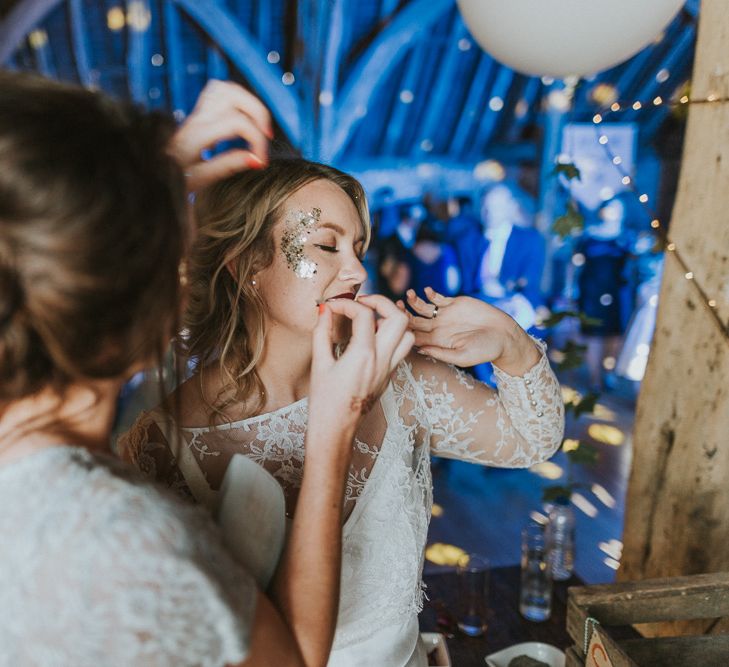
(506, 626)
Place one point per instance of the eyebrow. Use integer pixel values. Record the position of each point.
(335, 227)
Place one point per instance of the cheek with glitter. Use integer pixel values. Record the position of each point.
(298, 226)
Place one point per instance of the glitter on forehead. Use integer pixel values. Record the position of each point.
(299, 224)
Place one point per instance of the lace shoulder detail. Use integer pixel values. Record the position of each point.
(517, 426)
(147, 447)
(128, 575)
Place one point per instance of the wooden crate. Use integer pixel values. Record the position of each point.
(702, 596)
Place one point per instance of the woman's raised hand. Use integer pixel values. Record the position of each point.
(466, 331)
(224, 111)
(348, 386)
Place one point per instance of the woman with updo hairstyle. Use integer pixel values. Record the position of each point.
(98, 566)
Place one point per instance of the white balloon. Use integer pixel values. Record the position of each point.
(561, 38)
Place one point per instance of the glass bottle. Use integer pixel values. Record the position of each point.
(561, 540)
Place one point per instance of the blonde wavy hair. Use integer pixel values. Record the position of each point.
(224, 320)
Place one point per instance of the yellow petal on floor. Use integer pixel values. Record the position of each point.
(547, 470)
(608, 435)
(603, 413)
(583, 504)
(556, 356)
(604, 495)
(569, 394)
(570, 445)
(443, 554)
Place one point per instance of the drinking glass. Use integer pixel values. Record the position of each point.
(535, 595)
(473, 579)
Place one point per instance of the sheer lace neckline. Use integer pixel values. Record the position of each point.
(248, 420)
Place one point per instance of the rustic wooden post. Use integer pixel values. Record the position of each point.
(677, 508)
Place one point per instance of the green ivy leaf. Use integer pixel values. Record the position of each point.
(555, 318)
(569, 170)
(587, 321)
(551, 494)
(574, 356)
(585, 454)
(570, 223)
(586, 405)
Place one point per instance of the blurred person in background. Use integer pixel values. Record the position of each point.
(600, 283)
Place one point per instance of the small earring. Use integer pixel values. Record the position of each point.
(253, 282)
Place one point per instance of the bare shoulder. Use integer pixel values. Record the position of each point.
(195, 398)
(188, 401)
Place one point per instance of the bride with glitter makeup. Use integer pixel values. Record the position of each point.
(272, 246)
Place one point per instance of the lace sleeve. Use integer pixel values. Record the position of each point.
(515, 427)
(145, 446)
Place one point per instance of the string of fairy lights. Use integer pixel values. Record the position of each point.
(629, 182)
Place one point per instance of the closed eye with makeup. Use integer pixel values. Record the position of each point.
(320, 242)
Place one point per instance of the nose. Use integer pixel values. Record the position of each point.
(353, 271)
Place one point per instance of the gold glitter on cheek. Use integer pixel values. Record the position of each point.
(298, 225)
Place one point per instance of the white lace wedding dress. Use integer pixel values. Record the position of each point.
(99, 567)
(428, 408)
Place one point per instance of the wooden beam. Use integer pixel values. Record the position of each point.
(175, 58)
(678, 53)
(330, 70)
(529, 95)
(677, 509)
(20, 21)
(217, 66)
(246, 54)
(704, 650)
(376, 63)
(490, 118)
(630, 602)
(472, 107)
(80, 42)
(438, 94)
(138, 51)
(401, 110)
(632, 71)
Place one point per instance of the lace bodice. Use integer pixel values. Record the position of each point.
(429, 407)
(98, 567)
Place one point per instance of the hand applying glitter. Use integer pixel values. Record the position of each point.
(344, 389)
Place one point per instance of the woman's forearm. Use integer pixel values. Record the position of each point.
(306, 588)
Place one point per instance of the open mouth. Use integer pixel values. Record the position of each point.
(343, 295)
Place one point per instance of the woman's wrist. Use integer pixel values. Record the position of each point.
(519, 354)
(330, 439)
